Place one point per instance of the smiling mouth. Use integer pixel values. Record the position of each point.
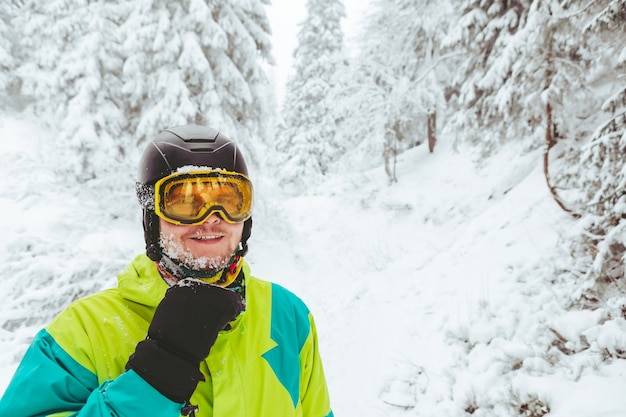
(207, 237)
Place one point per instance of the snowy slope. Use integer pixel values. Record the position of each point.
(433, 296)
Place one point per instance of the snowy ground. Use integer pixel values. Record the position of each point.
(434, 296)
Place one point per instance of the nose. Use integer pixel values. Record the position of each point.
(214, 218)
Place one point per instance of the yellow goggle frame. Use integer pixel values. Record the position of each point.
(189, 198)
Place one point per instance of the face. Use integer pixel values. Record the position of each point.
(205, 247)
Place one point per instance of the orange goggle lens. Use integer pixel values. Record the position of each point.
(190, 198)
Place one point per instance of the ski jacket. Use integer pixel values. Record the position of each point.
(266, 364)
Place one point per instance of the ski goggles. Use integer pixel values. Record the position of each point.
(191, 197)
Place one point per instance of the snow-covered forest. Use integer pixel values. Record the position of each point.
(447, 193)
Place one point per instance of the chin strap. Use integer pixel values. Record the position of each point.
(151, 235)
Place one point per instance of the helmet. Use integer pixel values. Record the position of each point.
(175, 148)
(186, 145)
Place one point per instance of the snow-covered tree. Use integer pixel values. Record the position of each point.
(108, 74)
(394, 89)
(6, 46)
(197, 61)
(601, 250)
(70, 64)
(524, 63)
(483, 30)
(307, 137)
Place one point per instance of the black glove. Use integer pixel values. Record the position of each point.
(183, 329)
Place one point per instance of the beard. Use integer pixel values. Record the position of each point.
(174, 250)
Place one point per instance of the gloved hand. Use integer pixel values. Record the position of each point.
(182, 331)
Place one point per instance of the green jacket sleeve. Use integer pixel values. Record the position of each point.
(49, 382)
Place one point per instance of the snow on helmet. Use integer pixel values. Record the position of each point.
(179, 147)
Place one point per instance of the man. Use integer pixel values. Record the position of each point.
(188, 330)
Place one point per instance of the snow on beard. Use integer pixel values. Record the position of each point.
(174, 250)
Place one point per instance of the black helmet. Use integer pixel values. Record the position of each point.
(177, 147)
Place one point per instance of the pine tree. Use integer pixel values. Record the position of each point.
(70, 64)
(394, 88)
(6, 45)
(307, 137)
(108, 74)
(197, 61)
(599, 252)
(483, 31)
(524, 70)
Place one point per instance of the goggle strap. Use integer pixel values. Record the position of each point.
(145, 195)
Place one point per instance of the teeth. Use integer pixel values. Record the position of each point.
(207, 237)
